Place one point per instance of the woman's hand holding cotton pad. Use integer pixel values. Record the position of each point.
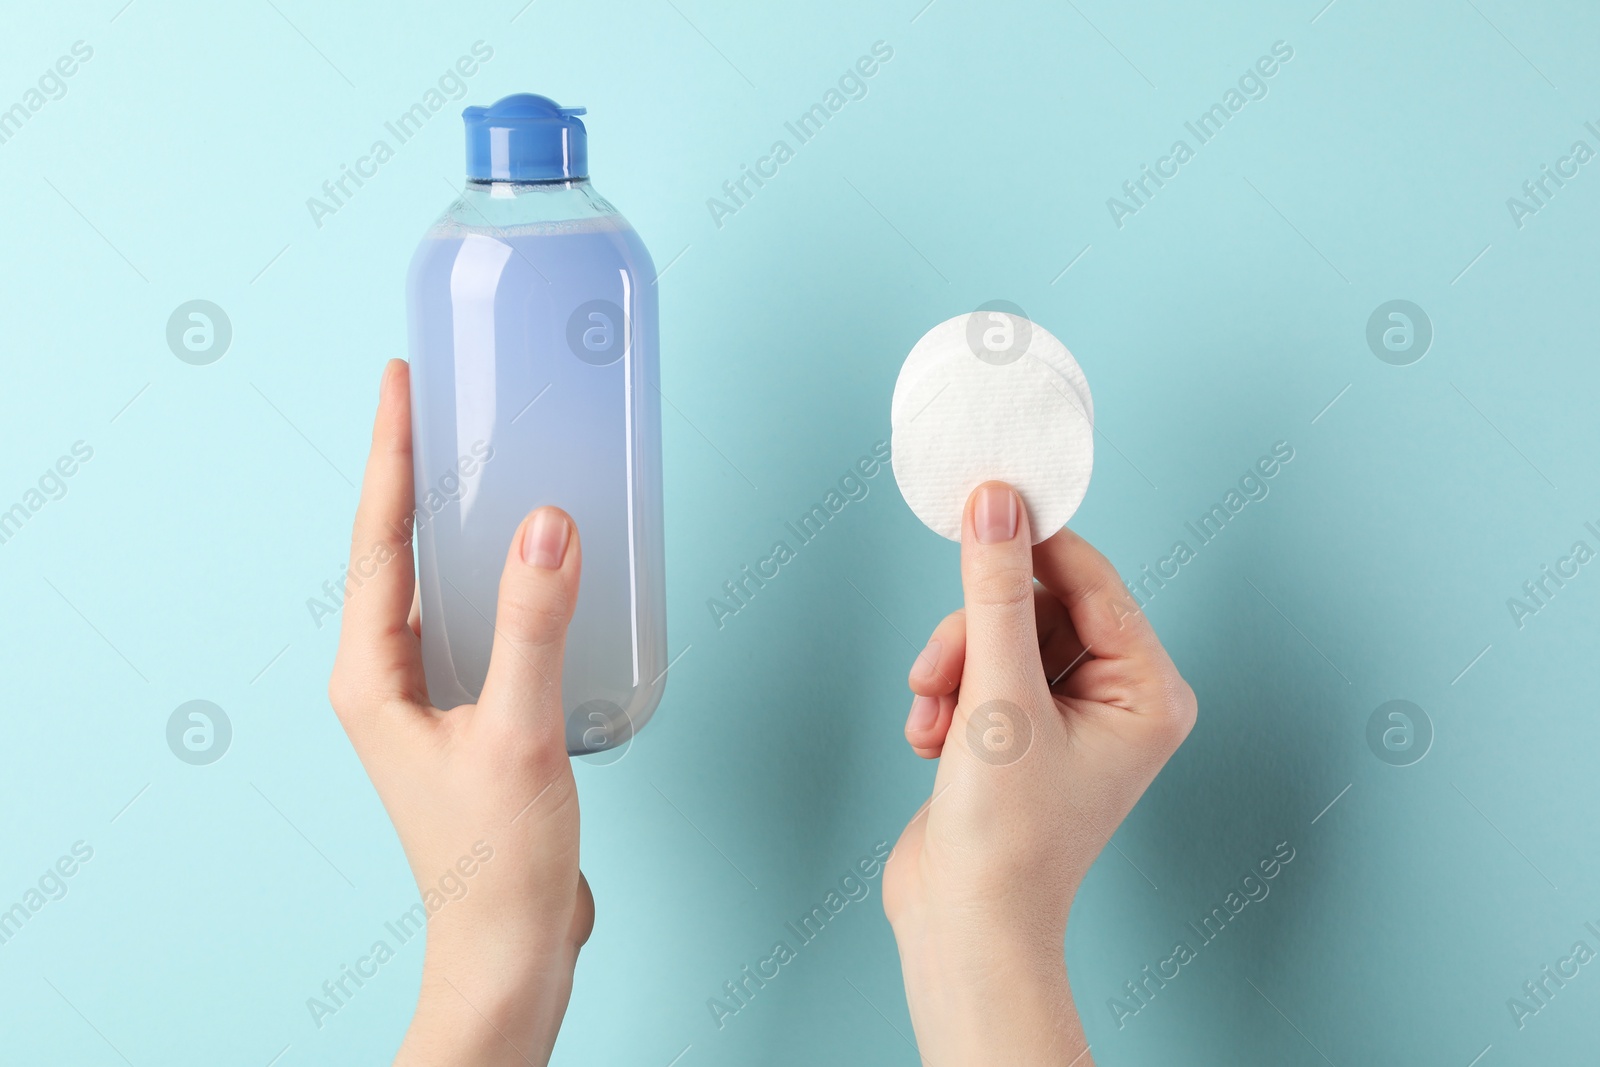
(991, 396)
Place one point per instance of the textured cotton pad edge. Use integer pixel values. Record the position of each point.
(925, 369)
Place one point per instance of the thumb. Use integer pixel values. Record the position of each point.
(997, 582)
(538, 591)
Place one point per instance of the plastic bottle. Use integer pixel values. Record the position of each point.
(534, 380)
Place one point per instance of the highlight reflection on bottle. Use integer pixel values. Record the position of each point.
(534, 381)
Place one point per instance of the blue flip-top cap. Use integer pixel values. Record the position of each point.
(525, 138)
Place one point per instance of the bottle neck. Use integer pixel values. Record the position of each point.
(500, 189)
(502, 203)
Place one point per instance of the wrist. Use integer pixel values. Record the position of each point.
(982, 997)
(489, 1002)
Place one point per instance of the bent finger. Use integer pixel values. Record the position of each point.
(1060, 650)
(1105, 617)
(928, 724)
(937, 668)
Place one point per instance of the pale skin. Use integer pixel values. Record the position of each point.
(1078, 707)
(979, 886)
(498, 968)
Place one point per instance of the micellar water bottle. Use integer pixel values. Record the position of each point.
(534, 371)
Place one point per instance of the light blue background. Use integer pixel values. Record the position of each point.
(1223, 317)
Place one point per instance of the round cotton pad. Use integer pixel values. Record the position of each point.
(959, 420)
(995, 337)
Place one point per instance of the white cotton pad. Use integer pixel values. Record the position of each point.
(963, 415)
(996, 337)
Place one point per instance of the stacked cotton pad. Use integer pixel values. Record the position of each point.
(990, 396)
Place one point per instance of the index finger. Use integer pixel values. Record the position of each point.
(1109, 622)
(378, 652)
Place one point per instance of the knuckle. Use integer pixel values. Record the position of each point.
(1178, 710)
(537, 760)
(1002, 584)
(1078, 557)
(1116, 675)
(356, 699)
(342, 692)
(1095, 562)
(526, 749)
(895, 907)
(1101, 566)
(1121, 610)
(537, 616)
(547, 759)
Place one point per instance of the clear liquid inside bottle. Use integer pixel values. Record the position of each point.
(534, 371)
